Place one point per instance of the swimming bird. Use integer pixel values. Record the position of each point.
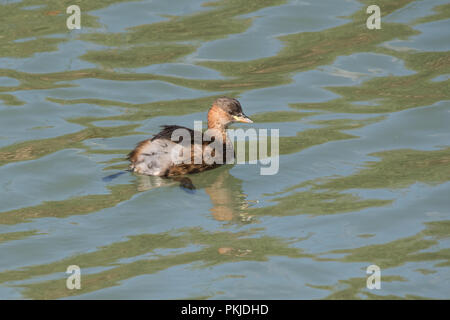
(155, 156)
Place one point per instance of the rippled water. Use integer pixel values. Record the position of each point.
(364, 173)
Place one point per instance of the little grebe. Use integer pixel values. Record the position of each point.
(155, 156)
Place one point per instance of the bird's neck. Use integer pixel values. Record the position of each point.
(216, 120)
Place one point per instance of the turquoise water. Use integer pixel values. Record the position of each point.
(364, 172)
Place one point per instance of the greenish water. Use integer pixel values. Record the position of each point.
(364, 118)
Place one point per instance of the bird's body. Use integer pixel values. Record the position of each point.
(155, 156)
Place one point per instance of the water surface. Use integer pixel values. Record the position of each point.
(364, 150)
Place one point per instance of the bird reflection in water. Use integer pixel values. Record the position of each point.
(228, 201)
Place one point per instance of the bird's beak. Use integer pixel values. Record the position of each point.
(242, 118)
